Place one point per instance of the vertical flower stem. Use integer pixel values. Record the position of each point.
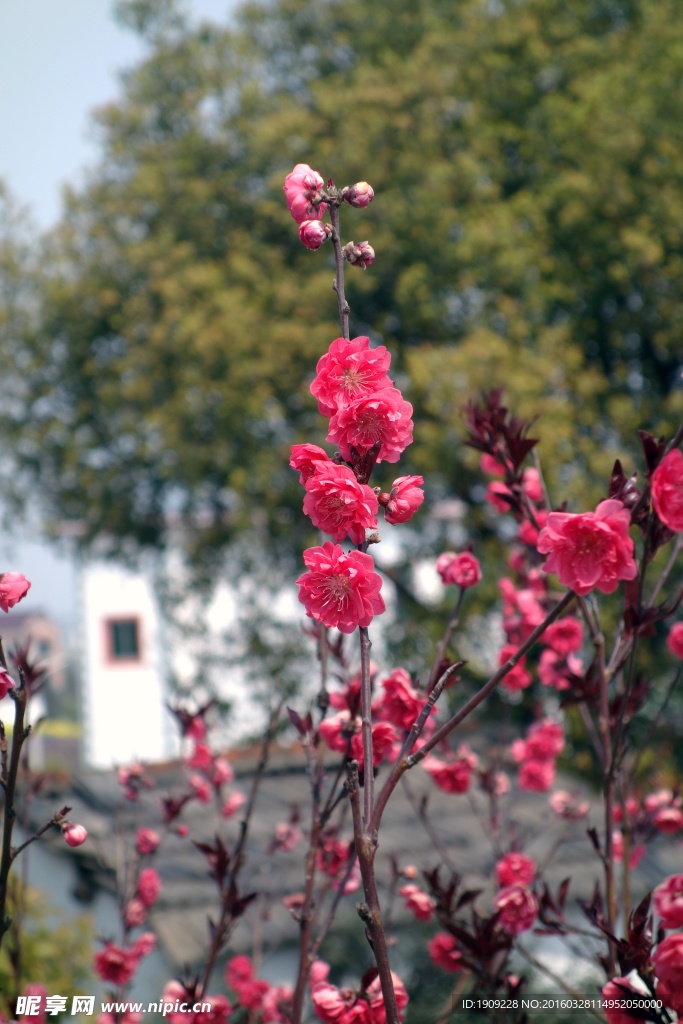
(9, 782)
(338, 283)
(370, 912)
(366, 721)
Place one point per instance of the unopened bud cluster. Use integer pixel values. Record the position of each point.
(307, 201)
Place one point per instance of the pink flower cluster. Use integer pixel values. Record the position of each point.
(667, 490)
(419, 903)
(452, 775)
(118, 964)
(536, 755)
(304, 192)
(334, 1005)
(212, 771)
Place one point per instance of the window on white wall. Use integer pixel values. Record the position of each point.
(123, 639)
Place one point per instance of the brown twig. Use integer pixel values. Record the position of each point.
(427, 824)
(333, 909)
(370, 912)
(19, 695)
(338, 283)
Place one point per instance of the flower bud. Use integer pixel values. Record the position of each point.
(313, 233)
(409, 871)
(13, 588)
(74, 834)
(359, 195)
(360, 255)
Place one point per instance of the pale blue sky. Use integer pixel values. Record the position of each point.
(58, 60)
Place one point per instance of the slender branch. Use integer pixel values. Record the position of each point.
(366, 722)
(443, 643)
(20, 696)
(402, 764)
(667, 569)
(54, 822)
(338, 284)
(370, 911)
(590, 729)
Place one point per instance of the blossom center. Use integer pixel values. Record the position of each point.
(337, 589)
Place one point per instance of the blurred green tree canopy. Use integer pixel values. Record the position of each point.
(527, 160)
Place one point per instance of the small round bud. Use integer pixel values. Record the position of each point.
(360, 255)
(74, 834)
(409, 871)
(313, 233)
(183, 831)
(359, 195)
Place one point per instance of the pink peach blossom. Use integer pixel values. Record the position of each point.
(452, 776)
(13, 588)
(234, 802)
(338, 505)
(201, 758)
(674, 640)
(328, 1003)
(614, 991)
(531, 485)
(668, 960)
(287, 836)
(536, 776)
(403, 500)
(489, 465)
(75, 835)
(419, 903)
(6, 683)
(567, 806)
(377, 1011)
(544, 740)
(668, 820)
(384, 736)
(382, 416)
(149, 886)
(667, 490)
(554, 669)
(515, 868)
(135, 913)
(518, 908)
(668, 901)
(146, 840)
(590, 549)
(360, 255)
(201, 789)
(338, 589)
(222, 772)
(518, 678)
(359, 195)
(313, 233)
(115, 964)
(319, 972)
(662, 798)
(401, 703)
(277, 997)
(461, 570)
(302, 187)
(348, 371)
(331, 731)
(496, 491)
(564, 636)
(443, 952)
(305, 458)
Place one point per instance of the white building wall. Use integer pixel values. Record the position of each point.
(124, 698)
